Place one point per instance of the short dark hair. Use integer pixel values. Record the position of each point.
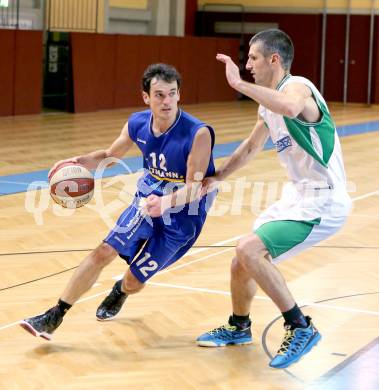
(163, 72)
(275, 41)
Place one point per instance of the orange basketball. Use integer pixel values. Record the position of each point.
(71, 185)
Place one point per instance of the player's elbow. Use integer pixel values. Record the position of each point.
(293, 108)
(292, 111)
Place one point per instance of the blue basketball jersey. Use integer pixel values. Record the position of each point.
(165, 157)
(152, 244)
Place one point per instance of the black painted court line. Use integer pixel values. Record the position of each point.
(358, 371)
(37, 279)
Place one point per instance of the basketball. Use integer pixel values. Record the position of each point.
(71, 185)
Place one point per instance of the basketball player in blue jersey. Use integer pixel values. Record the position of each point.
(167, 213)
(314, 204)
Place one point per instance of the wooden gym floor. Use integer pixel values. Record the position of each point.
(151, 344)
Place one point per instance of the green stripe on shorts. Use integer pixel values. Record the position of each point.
(281, 236)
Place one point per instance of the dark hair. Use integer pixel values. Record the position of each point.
(163, 72)
(275, 41)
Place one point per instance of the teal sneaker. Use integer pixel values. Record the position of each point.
(297, 342)
(225, 335)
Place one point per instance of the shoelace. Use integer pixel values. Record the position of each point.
(221, 328)
(288, 337)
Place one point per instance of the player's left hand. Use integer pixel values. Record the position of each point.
(156, 205)
(209, 184)
(232, 71)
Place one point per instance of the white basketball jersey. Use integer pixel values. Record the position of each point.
(311, 154)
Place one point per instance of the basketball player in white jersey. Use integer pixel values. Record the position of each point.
(314, 204)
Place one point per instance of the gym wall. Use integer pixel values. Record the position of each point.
(20, 72)
(107, 69)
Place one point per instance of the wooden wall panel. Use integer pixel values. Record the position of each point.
(358, 61)
(28, 72)
(175, 51)
(188, 60)
(149, 53)
(335, 57)
(207, 88)
(127, 89)
(110, 76)
(169, 50)
(305, 32)
(231, 48)
(189, 55)
(84, 70)
(375, 66)
(190, 18)
(212, 84)
(105, 60)
(304, 29)
(7, 51)
(134, 54)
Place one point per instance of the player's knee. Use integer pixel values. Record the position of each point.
(103, 255)
(237, 268)
(131, 285)
(248, 250)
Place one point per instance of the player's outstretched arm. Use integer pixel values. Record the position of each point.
(117, 150)
(289, 102)
(245, 152)
(91, 160)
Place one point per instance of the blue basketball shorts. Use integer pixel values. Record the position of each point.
(149, 244)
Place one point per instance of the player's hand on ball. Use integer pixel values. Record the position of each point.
(71, 184)
(58, 163)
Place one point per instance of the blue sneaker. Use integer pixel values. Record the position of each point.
(297, 342)
(225, 335)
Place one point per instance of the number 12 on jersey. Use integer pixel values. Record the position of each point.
(151, 265)
(162, 161)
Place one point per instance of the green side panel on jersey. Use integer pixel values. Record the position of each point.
(281, 236)
(325, 129)
(326, 133)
